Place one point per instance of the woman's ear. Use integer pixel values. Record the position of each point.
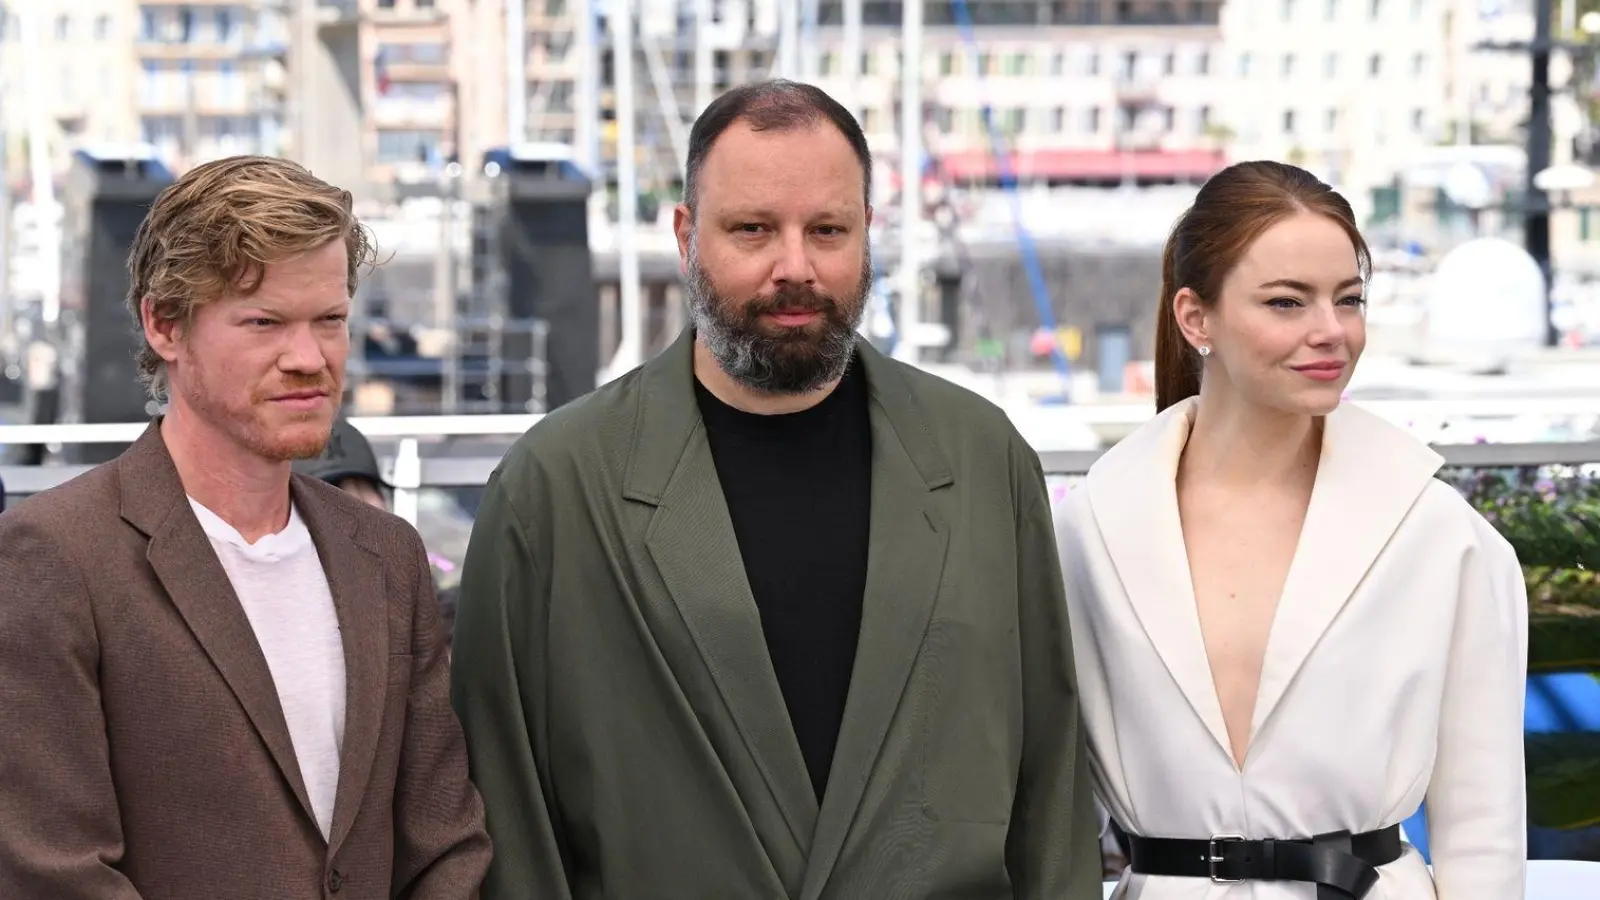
(1191, 316)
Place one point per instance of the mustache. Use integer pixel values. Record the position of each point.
(292, 383)
(791, 299)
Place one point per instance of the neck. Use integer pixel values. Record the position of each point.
(1236, 443)
(743, 398)
(244, 490)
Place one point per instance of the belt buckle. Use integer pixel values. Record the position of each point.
(1213, 857)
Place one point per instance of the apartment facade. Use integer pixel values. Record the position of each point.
(210, 79)
(65, 69)
(1361, 90)
(1081, 90)
(197, 79)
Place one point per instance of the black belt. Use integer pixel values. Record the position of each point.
(1341, 864)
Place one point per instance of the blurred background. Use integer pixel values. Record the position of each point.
(518, 163)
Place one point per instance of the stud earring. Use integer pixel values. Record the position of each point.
(1203, 350)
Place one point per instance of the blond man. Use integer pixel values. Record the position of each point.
(218, 679)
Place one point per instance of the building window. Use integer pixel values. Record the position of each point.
(1202, 64)
(1244, 65)
(1377, 10)
(1419, 64)
(1288, 10)
(1332, 120)
(1375, 65)
(1330, 66)
(102, 28)
(1288, 64)
(63, 27)
(1288, 121)
(1333, 10)
(1418, 120)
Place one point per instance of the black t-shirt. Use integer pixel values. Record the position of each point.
(799, 491)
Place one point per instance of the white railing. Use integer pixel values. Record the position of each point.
(1056, 433)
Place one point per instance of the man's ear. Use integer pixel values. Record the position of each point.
(683, 229)
(162, 335)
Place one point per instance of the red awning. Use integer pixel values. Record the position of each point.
(1094, 165)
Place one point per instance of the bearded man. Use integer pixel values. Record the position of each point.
(773, 616)
(219, 679)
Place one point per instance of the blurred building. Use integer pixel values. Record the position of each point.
(197, 79)
(1086, 91)
(1349, 88)
(66, 71)
(210, 79)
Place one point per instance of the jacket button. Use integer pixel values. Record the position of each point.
(335, 881)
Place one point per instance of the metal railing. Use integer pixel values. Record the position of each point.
(410, 470)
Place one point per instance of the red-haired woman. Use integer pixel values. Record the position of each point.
(1288, 633)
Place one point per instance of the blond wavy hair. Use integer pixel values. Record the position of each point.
(215, 230)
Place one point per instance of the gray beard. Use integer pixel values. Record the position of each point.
(776, 365)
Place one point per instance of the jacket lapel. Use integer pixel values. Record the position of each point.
(906, 548)
(1133, 492)
(153, 500)
(361, 599)
(691, 540)
(1369, 476)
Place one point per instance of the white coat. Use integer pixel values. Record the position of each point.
(1394, 672)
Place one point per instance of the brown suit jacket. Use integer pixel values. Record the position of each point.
(143, 750)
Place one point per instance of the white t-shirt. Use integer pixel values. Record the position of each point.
(285, 595)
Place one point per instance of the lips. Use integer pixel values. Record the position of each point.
(1321, 371)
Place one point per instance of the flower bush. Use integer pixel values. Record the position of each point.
(1551, 516)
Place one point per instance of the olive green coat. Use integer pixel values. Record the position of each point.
(623, 721)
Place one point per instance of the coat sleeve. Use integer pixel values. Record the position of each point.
(60, 827)
(1053, 848)
(441, 847)
(1477, 798)
(500, 694)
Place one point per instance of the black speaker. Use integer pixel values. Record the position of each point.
(543, 240)
(104, 200)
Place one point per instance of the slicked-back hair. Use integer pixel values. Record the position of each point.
(216, 229)
(776, 105)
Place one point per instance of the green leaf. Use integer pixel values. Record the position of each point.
(1564, 780)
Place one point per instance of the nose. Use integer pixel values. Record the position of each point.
(302, 352)
(793, 264)
(1325, 328)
